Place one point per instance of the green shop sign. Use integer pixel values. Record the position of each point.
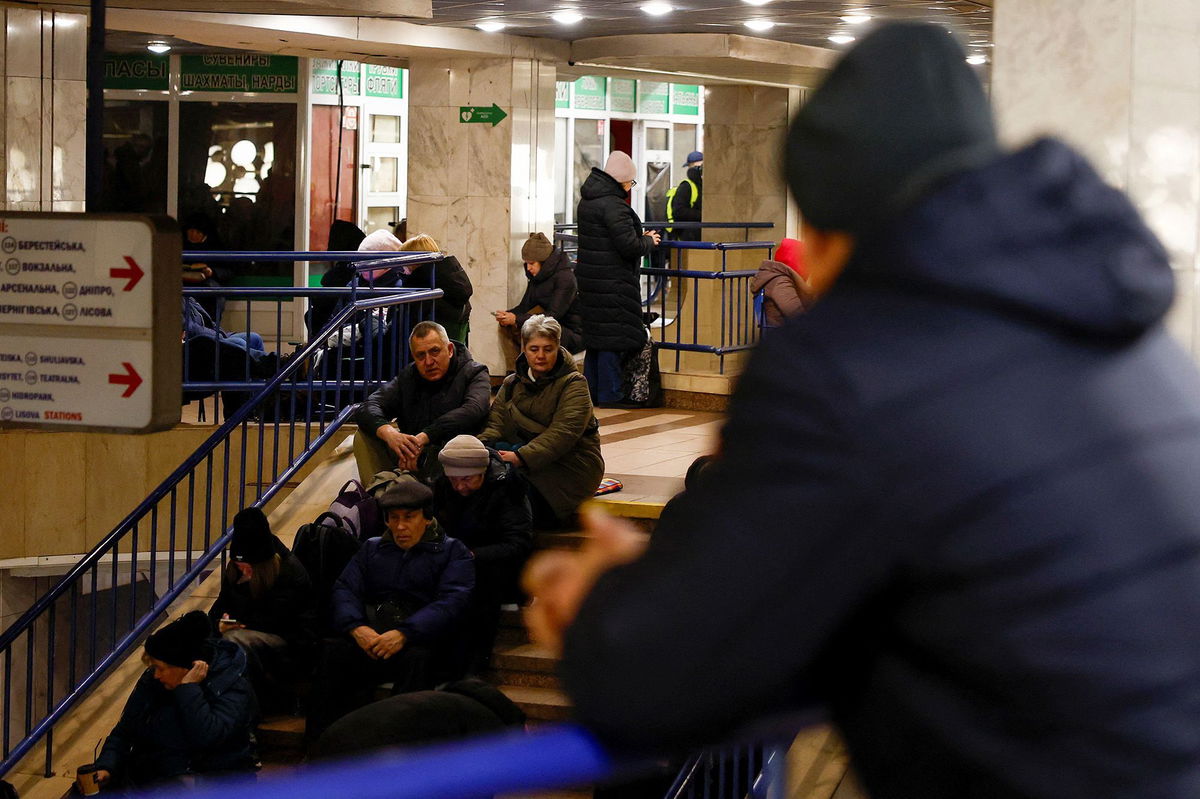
(562, 94)
(622, 95)
(385, 82)
(685, 99)
(239, 72)
(324, 76)
(589, 93)
(127, 71)
(653, 97)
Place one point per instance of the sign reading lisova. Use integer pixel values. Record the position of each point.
(239, 72)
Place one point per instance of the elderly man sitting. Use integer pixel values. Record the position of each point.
(481, 500)
(442, 393)
(399, 605)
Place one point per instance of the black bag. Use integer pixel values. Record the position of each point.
(324, 547)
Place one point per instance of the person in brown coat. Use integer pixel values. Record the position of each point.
(542, 422)
(785, 291)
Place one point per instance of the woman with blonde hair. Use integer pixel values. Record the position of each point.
(453, 310)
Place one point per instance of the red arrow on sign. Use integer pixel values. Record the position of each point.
(134, 273)
(131, 379)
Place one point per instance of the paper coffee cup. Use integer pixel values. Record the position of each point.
(85, 778)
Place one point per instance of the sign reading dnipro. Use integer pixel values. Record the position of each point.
(89, 321)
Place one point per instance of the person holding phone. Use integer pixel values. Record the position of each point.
(191, 712)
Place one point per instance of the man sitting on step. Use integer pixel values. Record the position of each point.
(442, 393)
(399, 605)
(481, 500)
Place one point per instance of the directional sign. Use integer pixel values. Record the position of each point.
(72, 381)
(481, 113)
(89, 321)
(83, 274)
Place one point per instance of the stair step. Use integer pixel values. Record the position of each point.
(526, 657)
(543, 704)
(529, 679)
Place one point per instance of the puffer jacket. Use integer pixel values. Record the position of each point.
(558, 438)
(454, 306)
(611, 247)
(556, 291)
(971, 472)
(458, 403)
(785, 293)
(432, 581)
(196, 728)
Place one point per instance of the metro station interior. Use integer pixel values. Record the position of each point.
(263, 122)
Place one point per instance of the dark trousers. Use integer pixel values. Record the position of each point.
(603, 372)
(495, 584)
(346, 678)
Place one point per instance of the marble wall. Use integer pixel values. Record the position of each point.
(44, 97)
(1120, 79)
(479, 189)
(745, 128)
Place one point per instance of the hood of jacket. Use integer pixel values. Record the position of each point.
(696, 175)
(1035, 233)
(227, 666)
(768, 272)
(601, 184)
(564, 365)
(550, 267)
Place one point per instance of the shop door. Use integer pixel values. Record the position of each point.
(384, 168)
(656, 170)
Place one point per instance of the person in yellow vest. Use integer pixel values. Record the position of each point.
(684, 202)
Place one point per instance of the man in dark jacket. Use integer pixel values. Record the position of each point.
(552, 291)
(441, 394)
(969, 474)
(399, 605)
(482, 501)
(191, 713)
(611, 247)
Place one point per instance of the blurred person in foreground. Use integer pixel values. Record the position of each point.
(968, 474)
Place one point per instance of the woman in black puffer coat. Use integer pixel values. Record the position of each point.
(611, 246)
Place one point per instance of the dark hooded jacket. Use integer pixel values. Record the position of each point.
(458, 403)
(196, 728)
(611, 247)
(288, 609)
(972, 467)
(785, 293)
(687, 205)
(431, 581)
(495, 522)
(555, 291)
(454, 306)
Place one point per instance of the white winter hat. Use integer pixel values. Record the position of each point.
(620, 166)
(380, 241)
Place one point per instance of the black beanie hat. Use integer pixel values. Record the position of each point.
(252, 541)
(901, 110)
(182, 642)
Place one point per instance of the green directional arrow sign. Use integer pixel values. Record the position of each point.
(481, 113)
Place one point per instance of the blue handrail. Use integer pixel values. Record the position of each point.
(165, 501)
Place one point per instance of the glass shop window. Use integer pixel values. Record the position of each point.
(135, 157)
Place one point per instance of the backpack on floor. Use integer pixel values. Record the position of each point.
(324, 547)
(346, 507)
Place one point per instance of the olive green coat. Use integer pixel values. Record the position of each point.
(552, 422)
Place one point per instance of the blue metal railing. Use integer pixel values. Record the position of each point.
(737, 326)
(113, 596)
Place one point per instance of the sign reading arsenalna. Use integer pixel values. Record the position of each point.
(239, 72)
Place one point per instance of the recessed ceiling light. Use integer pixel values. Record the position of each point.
(756, 2)
(759, 24)
(657, 9)
(490, 25)
(158, 47)
(856, 19)
(841, 38)
(566, 17)
(976, 60)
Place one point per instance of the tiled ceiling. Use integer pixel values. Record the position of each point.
(808, 22)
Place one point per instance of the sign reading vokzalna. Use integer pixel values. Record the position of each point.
(89, 321)
(239, 72)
